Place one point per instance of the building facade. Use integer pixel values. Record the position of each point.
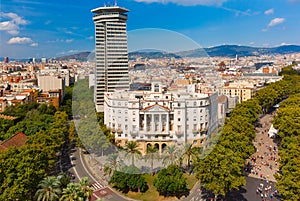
(110, 51)
(52, 82)
(244, 91)
(160, 118)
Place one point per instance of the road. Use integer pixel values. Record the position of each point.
(80, 170)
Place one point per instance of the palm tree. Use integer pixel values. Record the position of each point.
(72, 193)
(49, 189)
(112, 164)
(85, 188)
(187, 153)
(152, 154)
(132, 150)
(170, 155)
(191, 153)
(64, 179)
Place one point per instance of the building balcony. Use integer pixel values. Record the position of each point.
(195, 131)
(203, 131)
(179, 133)
(134, 133)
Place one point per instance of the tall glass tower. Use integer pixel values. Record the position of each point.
(111, 52)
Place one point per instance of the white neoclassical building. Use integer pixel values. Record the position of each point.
(160, 117)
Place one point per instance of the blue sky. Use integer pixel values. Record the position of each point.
(39, 28)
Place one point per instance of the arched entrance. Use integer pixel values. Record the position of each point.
(163, 146)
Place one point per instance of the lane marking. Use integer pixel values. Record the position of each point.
(95, 180)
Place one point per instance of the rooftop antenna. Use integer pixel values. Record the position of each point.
(104, 2)
(115, 2)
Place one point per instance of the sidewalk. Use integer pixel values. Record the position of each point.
(264, 161)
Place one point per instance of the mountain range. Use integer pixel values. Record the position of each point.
(222, 51)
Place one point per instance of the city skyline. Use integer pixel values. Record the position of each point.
(42, 29)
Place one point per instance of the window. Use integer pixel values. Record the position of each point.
(133, 119)
(178, 119)
(178, 104)
(156, 88)
(133, 112)
(179, 128)
(195, 103)
(126, 119)
(178, 112)
(195, 111)
(126, 127)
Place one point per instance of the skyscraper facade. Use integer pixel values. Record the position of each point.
(110, 51)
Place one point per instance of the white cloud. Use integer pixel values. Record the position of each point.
(34, 44)
(20, 40)
(69, 40)
(90, 38)
(186, 2)
(275, 22)
(269, 12)
(60, 41)
(12, 23)
(284, 43)
(68, 52)
(9, 27)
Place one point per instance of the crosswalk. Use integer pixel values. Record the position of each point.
(97, 185)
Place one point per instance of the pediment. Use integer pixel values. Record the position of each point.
(156, 108)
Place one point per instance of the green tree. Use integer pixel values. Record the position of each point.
(221, 171)
(72, 193)
(151, 155)
(129, 179)
(49, 189)
(112, 164)
(132, 150)
(85, 188)
(171, 155)
(170, 182)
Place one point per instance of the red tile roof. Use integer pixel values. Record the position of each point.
(17, 140)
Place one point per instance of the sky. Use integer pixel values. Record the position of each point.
(39, 28)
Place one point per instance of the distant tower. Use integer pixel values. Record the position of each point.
(111, 51)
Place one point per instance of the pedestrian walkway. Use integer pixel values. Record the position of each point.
(264, 163)
(97, 186)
